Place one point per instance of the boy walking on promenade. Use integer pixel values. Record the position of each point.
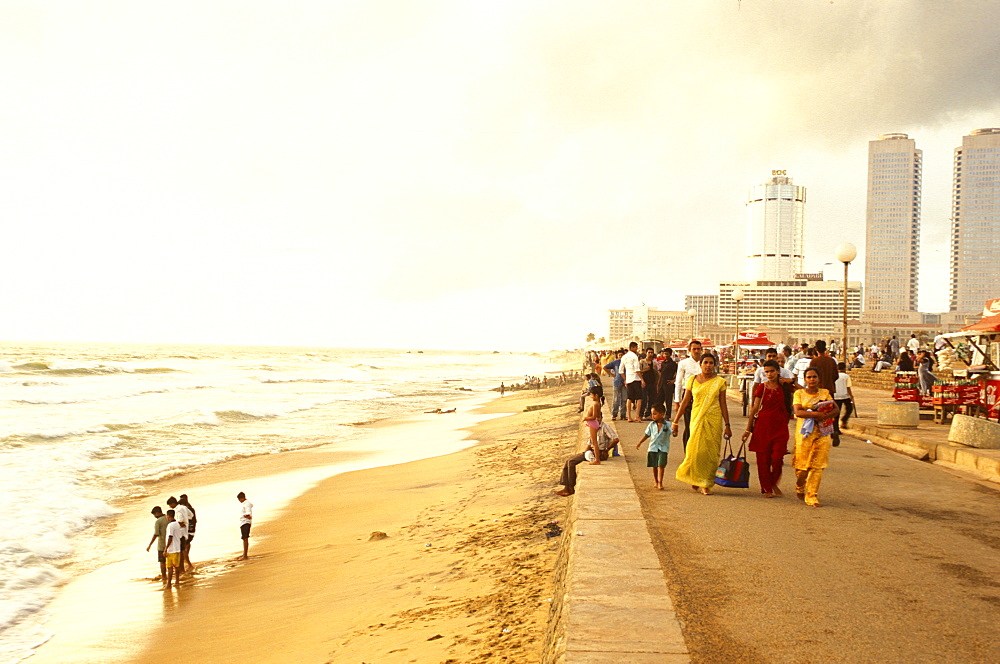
(246, 516)
(658, 436)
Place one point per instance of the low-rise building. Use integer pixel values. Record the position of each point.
(809, 308)
(706, 309)
(644, 322)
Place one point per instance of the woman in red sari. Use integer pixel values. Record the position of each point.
(768, 422)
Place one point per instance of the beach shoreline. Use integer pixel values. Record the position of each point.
(410, 497)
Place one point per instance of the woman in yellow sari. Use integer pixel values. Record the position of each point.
(812, 449)
(706, 394)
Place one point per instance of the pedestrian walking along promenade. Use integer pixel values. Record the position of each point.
(901, 565)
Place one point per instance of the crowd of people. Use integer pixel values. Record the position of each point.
(536, 383)
(911, 357)
(174, 530)
(808, 388)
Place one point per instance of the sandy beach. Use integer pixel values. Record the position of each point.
(463, 575)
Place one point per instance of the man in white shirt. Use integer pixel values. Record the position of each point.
(689, 366)
(803, 352)
(769, 354)
(633, 383)
(939, 345)
(800, 367)
(843, 394)
(172, 550)
(182, 516)
(913, 344)
(246, 516)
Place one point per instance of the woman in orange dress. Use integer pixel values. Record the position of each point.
(812, 447)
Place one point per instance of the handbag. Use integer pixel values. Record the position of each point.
(733, 470)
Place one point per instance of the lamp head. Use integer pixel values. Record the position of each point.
(738, 295)
(692, 311)
(846, 252)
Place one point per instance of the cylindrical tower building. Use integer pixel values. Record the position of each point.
(775, 229)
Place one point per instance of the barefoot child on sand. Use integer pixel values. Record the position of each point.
(658, 436)
(593, 419)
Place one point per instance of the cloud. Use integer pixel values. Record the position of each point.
(411, 154)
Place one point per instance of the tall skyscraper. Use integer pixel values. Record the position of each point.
(893, 231)
(975, 224)
(775, 228)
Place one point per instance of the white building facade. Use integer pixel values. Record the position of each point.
(975, 228)
(646, 323)
(706, 309)
(892, 235)
(775, 230)
(808, 309)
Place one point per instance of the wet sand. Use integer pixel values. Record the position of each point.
(316, 589)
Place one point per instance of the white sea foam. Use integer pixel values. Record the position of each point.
(116, 418)
(46, 506)
(202, 417)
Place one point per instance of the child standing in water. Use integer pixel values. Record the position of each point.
(658, 436)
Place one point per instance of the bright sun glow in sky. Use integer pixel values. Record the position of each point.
(448, 174)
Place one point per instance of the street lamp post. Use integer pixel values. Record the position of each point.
(846, 252)
(737, 298)
(692, 312)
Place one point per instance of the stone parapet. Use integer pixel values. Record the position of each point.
(974, 432)
(611, 602)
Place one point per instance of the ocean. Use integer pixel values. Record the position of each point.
(84, 427)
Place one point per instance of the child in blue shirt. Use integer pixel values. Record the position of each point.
(658, 436)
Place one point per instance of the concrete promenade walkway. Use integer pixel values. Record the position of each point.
(901, 565)
(929, 440)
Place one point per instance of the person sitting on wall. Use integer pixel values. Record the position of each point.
(607, 439)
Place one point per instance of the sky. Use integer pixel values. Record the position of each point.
(448, 174)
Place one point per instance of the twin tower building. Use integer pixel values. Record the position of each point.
(892, 257)
(776, 229)
(779, 294)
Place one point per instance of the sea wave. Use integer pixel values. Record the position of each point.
(52, 400)
(53, 433)
(52, 508)
(298, 380)
(333, 373)
(74, 368)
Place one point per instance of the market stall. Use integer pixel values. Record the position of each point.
(973, 356)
